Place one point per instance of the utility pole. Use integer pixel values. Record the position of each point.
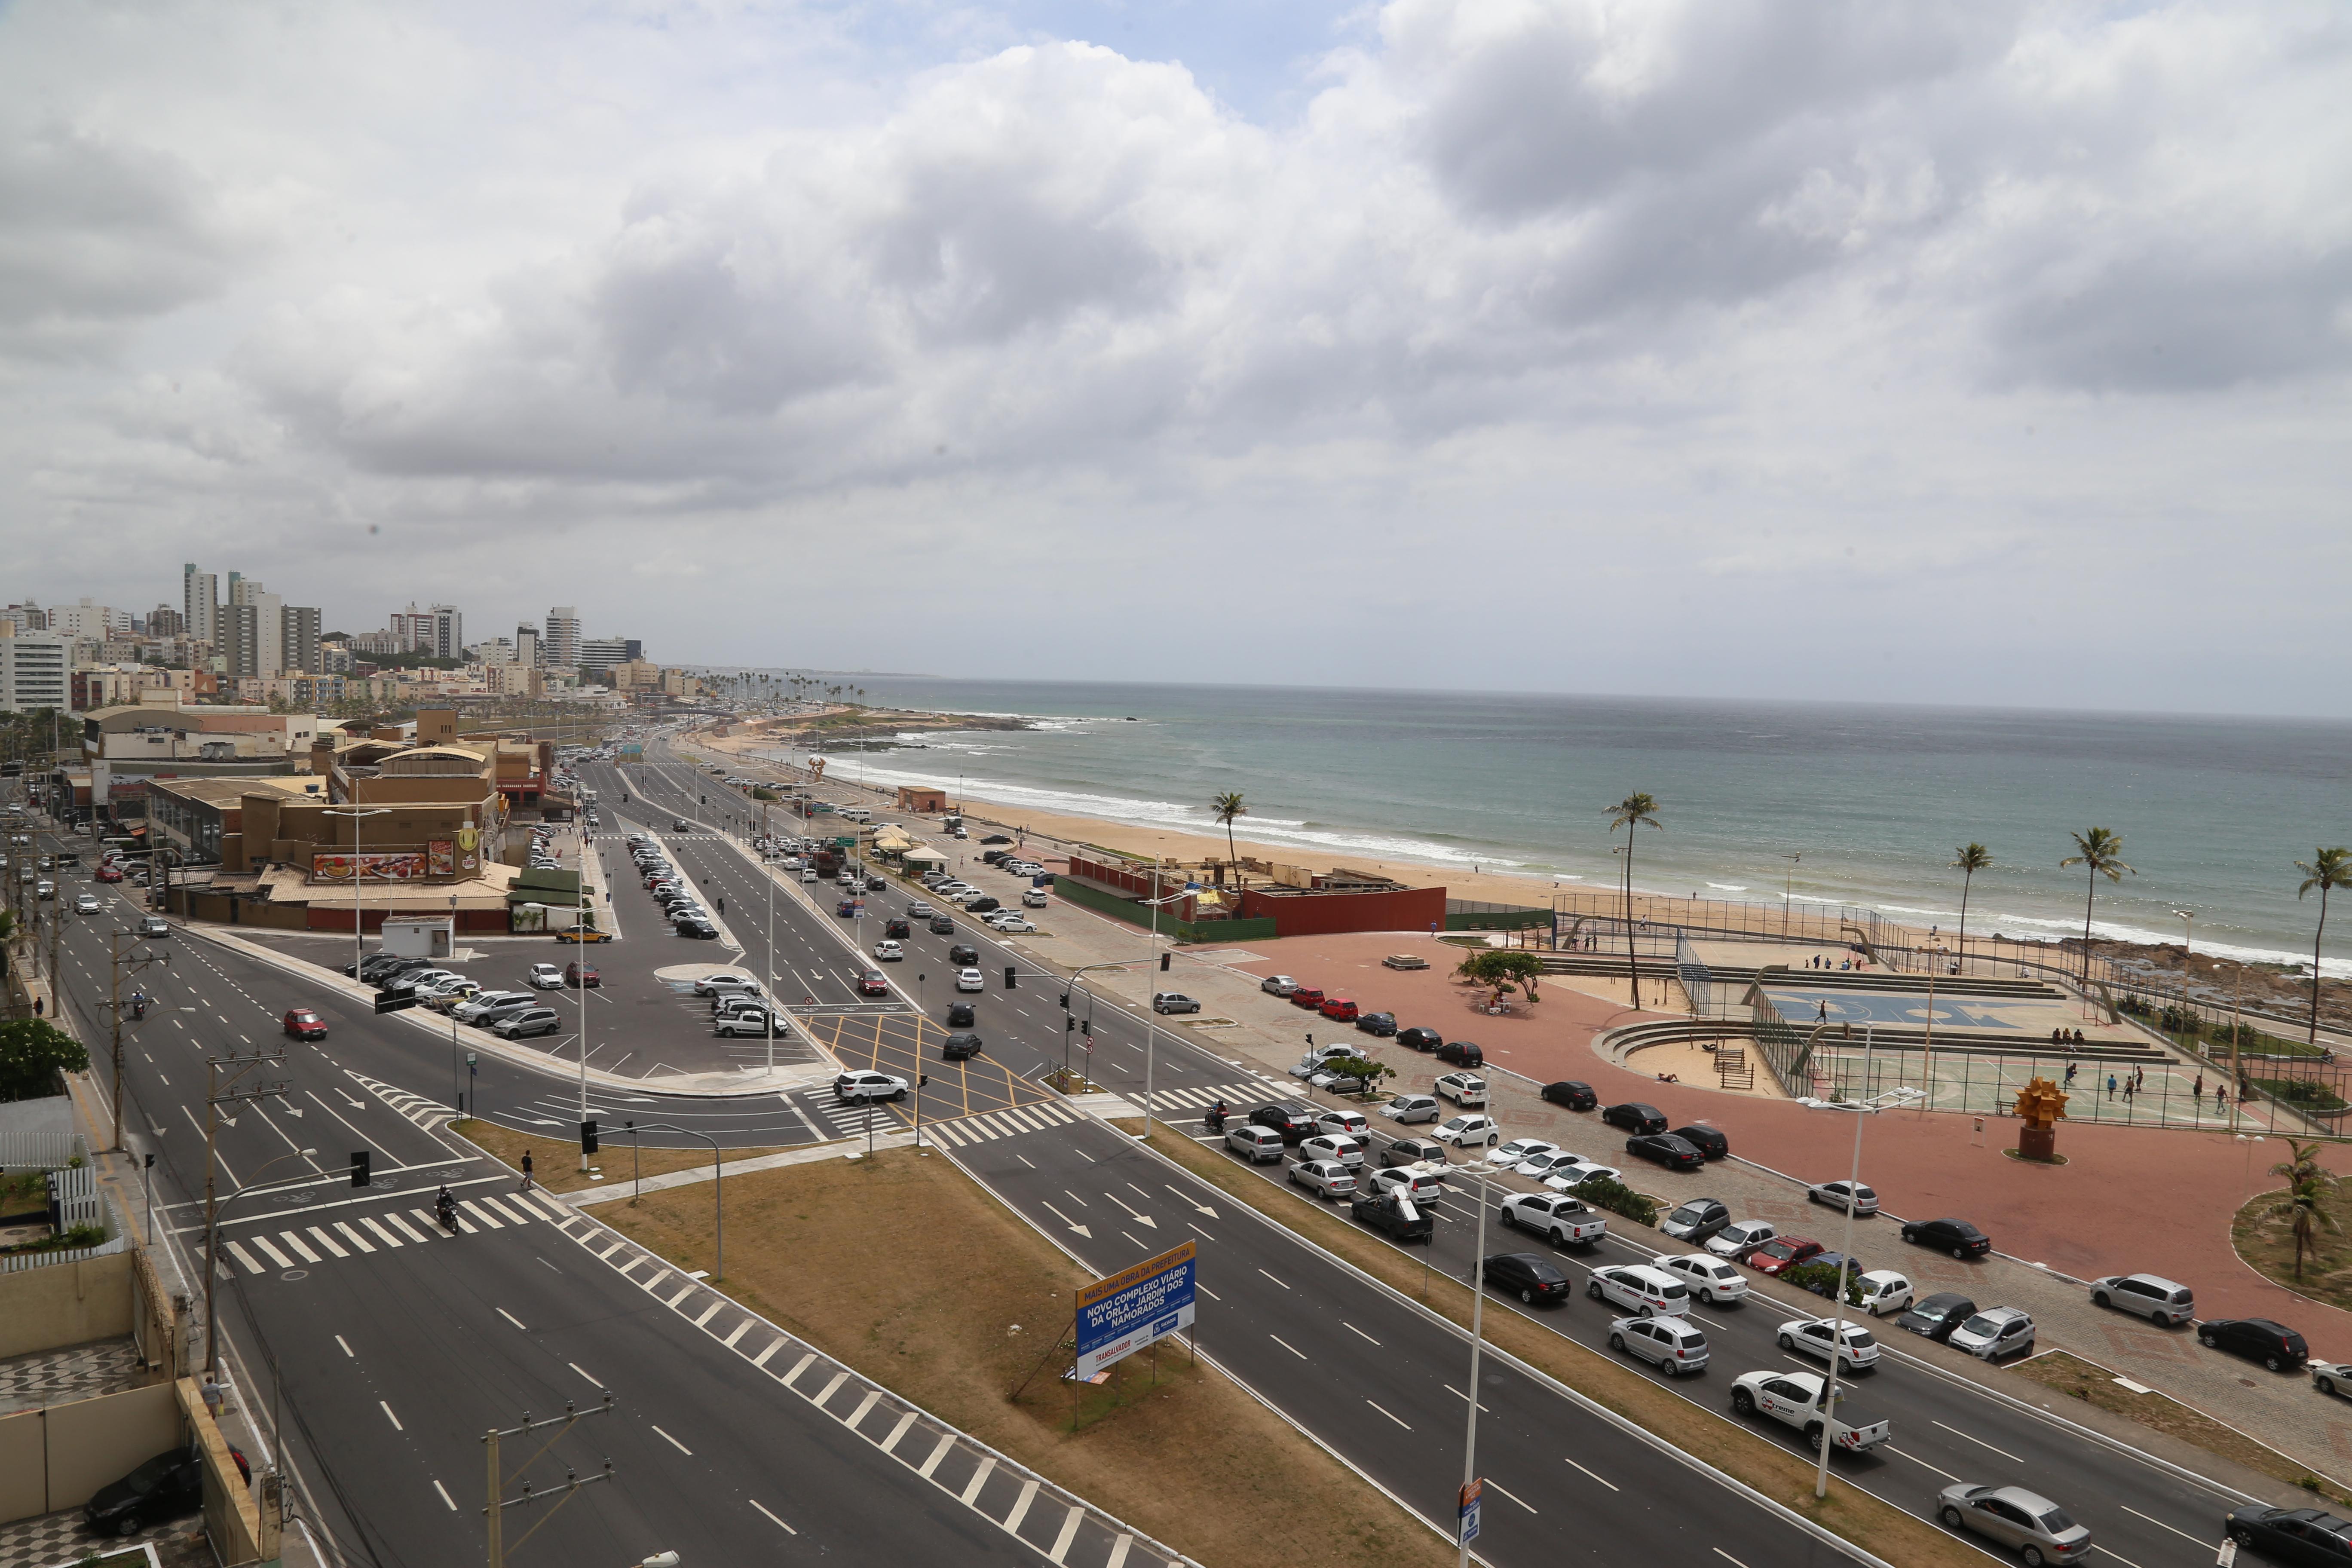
(496, 1504)
(218, 1094)
(114, 1008)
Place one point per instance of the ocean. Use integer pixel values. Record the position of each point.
(1873, 801)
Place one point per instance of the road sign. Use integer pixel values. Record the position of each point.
(1134, 1308)
(1472, 1491)
(396, 1001)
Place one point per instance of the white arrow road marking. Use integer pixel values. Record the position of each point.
(1196, 1203)
(1058, 1215)
(1139, 1218)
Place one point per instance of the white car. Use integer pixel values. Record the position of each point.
(1350, 1123)
(1463, 1088)
(1857, 1351)
(1420, 1182)
(1884, 1291)
(1313, 1062)
(1006, 920)
(1644, 1291)
(1674, 1345)
(970, 979)
(1568, 1178)
(1835, 1196)
(1742, 1236)
(1336, 1147)
(87, 904)
(888, 951)
(1470, 1127)
(1517, 1151)
(1035, 898)
(864, 1086)
(1549, 1161)
(1564, 1221)
(725, 980)
(1995, 1332)
(1711, 1280)
(1278, 985)
(751, 1019)
(1412, 1108)
(1325, 1178)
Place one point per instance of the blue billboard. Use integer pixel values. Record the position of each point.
(1134, 1308)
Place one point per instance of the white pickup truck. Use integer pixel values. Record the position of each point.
(1565, 1221)
(1795, 1398)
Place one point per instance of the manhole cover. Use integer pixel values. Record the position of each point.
(296, 1274)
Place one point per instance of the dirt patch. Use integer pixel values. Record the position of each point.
(1184, 1456)
(2094, 1384)
(2266, 1244)
(555, 1161)
(1876, 1526)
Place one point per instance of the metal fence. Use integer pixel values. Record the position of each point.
(40, 1151)
(75, 1199)
(1806, 922)
(2137, 1090)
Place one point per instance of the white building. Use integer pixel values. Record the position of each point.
(561, 644)
(33, 672)
(200, 603)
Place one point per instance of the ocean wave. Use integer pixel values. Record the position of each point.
(1729, 887)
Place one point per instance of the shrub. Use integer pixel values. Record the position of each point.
(33, 1051)
(1606, 1193)
(1821, 1279)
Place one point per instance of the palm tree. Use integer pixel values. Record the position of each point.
(1634, 811)
(2304, 1203)
(1227, 807)
(2327, 871)
(1969, 859)
(2102, 852)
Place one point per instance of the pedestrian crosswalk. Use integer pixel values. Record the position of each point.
(964, 1131)
(263, 1251)
(1173, 1100)
(849, 1121)
(426, 1114)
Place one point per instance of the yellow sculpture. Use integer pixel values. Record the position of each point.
(2040, 1104)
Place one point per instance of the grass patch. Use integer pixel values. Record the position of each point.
(2268, 1246)
(2094, 1384)
(1878, 1527)
(1190, 1458)
(556, 1161)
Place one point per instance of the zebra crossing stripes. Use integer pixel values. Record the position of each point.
(990, 1126)
(382, 1232)
(425, 1113)
(1201, 1098)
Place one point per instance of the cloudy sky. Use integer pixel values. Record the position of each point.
(1955, 353)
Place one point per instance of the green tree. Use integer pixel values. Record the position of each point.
(2101, 853)
(1967, 860)
(1227, 807)
(33, 1051)
(2304, 1204)
(1634, 811)
(2328, 870)
(1502, 966)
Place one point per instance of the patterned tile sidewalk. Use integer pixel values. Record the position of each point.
(78, 1372)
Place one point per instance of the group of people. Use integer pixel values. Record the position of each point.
(2067, 1038)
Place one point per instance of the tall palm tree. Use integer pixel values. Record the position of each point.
(2304, 1201)
(2327, 871)
(2102, 853)
(1227, 807)
(1968, 859)
(1633, 812)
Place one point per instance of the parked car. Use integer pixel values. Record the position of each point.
(1463, 1088)
(1956, 1237)
(1379, 1026)
(1635, 1117)
(1293, 1121)
(1414, 1152)
(1857, 1351)
(1470, 1127)
(1883, 1291)
(1573, 1094)
(749, 1017)
(1708, 1141)
(1640, 1289)
(576, 974)
(1937, 1315)
(1420, 1039)
(526, 1022)
(1530, 1275)
(2273, 1344)
(1560, 1219)
(726, 981)
(1666, 1149)
(1308, 996)
(1568, 1178)
(1173, 1002)
(1708, 1279)
(1407, 1107)
(1317, 1056)
(1995, 1332)
(696, 928)
(1254, 1142)
(2152, 1296)
(1696, 1220)
(1674, 1345)
(864, 1085)
(1510, 1154)
(477, 1009)
(960, 1047)
(1033, 898)
(1395, 1213)
(1833, 1195)
(1338, 1009)
(1324, 1178)
(1462, 1053)
(1336, 1148)
(1783, 1253)
(2025, 1522)
(304, 1024)
(1549, 1163)
(165, 1487)
(1010, 923)
(1278, 985)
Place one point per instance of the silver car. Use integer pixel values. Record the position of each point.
(1412, 1108)
(1674, 1345)
(2028, 1523)
(2151, 1295)
(1325, 1178)
(1995, 1332)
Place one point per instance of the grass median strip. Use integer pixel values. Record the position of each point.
(556, 1161)
(1786, 1477)
(956, 1311)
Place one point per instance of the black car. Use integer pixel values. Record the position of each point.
(960, 1047)
(1420, 1039)
(1635, 1117)
(1462, 1053)
(994, 856)
(1666, 1149)
(1526, 1275)
(1576, 1096)
(1937, 1315)
(897, 930)
(392, 974)
(1394, 1213)
(1705, 1139)
(2294, 1534)
(701, 930)
(960, 1016)
(165, 1487)
(680, 825)
(1289, 1118)
(1381, 1025)
(2273, 1344)
(983, 905)
(1956, 1237)
(962, 954)
(1414, 1152)
(942, 926)
(875, 885)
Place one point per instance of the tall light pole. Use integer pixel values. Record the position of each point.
(1787, 882)
(2187, 925)
(1151, 1028)
(1477, 1343)
(358, 923)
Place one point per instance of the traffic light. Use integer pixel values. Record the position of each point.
(1163, 963)
(1008, 977)
(1065, 1001)
(1086, 1027)
(587, 1137)
(360, 1176)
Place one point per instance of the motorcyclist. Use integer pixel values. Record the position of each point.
(139, 1004)
(445, 1207)
(1216, 1118)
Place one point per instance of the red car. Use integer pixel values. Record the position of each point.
(1338, 1009)
(110, 873)
(1307, 996)
(873, 983)
(1782, 1254)
(304, 1025)
(577, 974)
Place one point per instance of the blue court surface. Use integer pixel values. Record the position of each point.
(2024, 1014)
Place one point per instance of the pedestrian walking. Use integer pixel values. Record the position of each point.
(2071, 1069)
(2197, 1092)
(2128, 1089)
(2111, 1086)
(525, 1170)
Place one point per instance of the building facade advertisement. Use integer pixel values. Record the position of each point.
(404, 865)
(441, 857)
(1134, 1308)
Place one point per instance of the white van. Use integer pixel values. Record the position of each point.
(856, 814)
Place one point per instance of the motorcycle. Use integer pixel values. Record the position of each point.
(1214, 1121)
(138, 1007)
(446, 1211)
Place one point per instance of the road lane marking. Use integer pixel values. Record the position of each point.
(323, 1239)
(787, 1528)
(1459, 1394)
(741, 1330)
(1068, 1533)
(838, 1379)
(1385, 1412)
(979, 1479)
(245, 1258)
(2118, 1556)
(2161, 1524)
(1982, 1444)
(906, 1419)
(945, 1441)
(1271, 1276)
(1728, 1557)
(510, 1318)
(1286, 1344)
(390, 1416)
(760, 1361)
(1573, 1464)
(354, 1238)
(270, 1252)
(1922, 1463)
(671, 1441)
(347, 1349)
(446, 1497)
(1509, 1493)
(799, 1367)
(578, 1368)
(709, 1312)
(405, 1228)
(1020, 1507)
(389, 1239)
(873, 1397)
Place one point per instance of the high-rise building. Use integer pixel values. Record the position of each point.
(562, 642)
(200, 603)
(299, 638)
(163, 621)
(527, 643)
(33, 670)
(258, 641)
(91, 622)
(436, 633)
(604, 653)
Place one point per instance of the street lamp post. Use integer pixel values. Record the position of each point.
(358, 920)
(718, 1206)
(1477, 1343)
(213, 1212)
(1151, 1028)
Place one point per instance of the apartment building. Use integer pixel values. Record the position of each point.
(34, 667)
(562, 641)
